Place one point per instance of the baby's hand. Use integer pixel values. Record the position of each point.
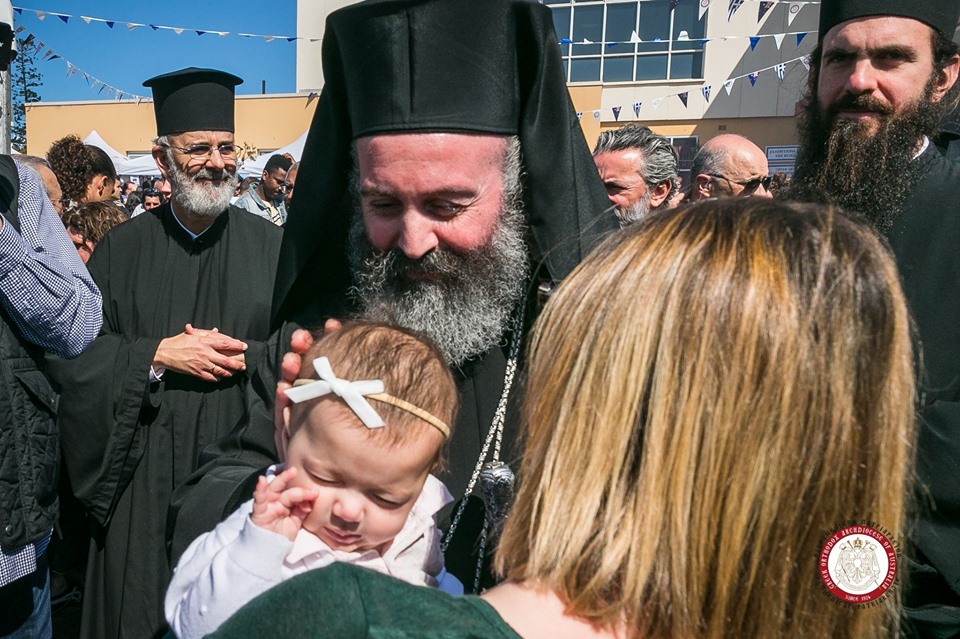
(279, 508)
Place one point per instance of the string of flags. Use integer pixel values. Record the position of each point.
(764, 6)
(684, 37)
(66, 17)
(47, 54)
(706, 91)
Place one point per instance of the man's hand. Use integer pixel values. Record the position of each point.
(300, 343)
(207, 354)
(281, 508)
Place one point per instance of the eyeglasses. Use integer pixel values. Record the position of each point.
(204, 151)
(749, 185)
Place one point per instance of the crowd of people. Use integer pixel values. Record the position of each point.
(473, 380)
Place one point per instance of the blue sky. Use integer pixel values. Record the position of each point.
(124, 58)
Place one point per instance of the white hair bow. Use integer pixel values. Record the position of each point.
(350, 392)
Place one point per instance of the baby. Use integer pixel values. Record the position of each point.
(356, 486)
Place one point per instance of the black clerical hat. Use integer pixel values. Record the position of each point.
(193, 100)
(939, 14)
(463, 66)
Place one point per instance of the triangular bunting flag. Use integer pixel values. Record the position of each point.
(41, 15)
(268, 38)
(46, 56)
(728, 85)
(132, 25)
(177, 31)
(153, 26)
(86, 19)
(579, 115)
(565, 41)
(706, 93)
(703, 8)
(199, 33)
(28, 39)
(656, 103)
(616, 113)
(636, 108)
(792, 11)
(734, 5)
(294, 38)
(109, 23)
(66, 19)
(102, 87)
(753, 42)
(585, 41)
(753, 78)
(780, 69)
(55, 57)
(313, 96)
(762, 11)
(683, 97)
(139, 100)
(673, 4)
(19, 29)
(596, 114)
(800, 37)
(778, 38)
(806, 62)
(18, 10)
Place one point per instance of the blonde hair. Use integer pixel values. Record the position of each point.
(709, 394)
(411, 368)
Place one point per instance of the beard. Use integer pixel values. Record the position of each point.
(462, 302)
(202, 199)
(865, 170)
(635, 212)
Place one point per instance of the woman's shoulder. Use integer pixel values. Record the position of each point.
(343, 600)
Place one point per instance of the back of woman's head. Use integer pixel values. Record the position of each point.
(76, 165)
(709, 394)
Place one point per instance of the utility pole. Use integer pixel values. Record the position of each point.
(6, 115)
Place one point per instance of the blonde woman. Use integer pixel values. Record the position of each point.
(708, 395)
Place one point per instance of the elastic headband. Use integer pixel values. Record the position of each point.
(355, 395)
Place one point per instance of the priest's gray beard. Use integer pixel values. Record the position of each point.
(202, 199)
(864, 171)
(465, 308)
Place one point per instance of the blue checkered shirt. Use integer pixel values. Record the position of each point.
(49, 294)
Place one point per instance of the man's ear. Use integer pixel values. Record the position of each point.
(659, 193)
(263, 176)
(702, 185)
(160, 157)
(945, 78)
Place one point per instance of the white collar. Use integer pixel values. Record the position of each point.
(926, 143)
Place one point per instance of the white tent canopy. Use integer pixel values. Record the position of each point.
(255, 167)
(144, 165)
(119, 159)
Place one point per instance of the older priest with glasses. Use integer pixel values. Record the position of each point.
(187, 289)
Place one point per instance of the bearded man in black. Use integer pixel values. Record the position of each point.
(882, 77)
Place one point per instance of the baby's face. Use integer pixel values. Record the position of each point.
(366, 489)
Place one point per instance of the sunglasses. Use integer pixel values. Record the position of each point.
(749, 185)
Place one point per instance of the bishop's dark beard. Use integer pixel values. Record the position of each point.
(871, 173)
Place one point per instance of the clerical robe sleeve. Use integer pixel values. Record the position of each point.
(228, 469)
(103, 393)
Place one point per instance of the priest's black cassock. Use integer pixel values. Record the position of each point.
(925, 239)
(128, 441)
(425, 66)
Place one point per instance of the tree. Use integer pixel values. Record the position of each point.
(25, 79)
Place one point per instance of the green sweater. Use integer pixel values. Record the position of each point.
(345, 601)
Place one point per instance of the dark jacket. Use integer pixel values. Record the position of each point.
(29, 449)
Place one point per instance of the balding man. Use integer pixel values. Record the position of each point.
(729, 165)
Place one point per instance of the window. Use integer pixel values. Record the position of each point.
(596, 38)
(686, 148)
